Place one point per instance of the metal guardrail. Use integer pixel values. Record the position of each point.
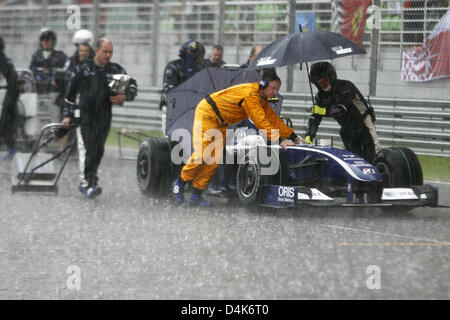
(148, 34)
(422, 125)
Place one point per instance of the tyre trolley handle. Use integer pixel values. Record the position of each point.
(38, 146)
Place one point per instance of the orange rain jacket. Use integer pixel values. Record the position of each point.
(253, 106)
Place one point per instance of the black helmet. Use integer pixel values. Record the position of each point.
(189, 45)
(321, 70)
(47, 34)
(2, 45)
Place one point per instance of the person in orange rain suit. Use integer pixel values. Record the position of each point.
(217, 111)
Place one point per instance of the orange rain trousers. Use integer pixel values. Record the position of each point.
(208, 148)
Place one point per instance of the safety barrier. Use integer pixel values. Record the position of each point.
(424, 126)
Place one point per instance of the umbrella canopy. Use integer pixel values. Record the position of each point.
(305, 47)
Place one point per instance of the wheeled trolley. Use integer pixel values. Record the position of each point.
(36, 171)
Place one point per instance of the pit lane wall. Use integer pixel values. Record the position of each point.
(423, 126)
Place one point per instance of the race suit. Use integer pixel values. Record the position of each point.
(8, 119)
(347, 106)
(71, 63)
(91, 82)
(234, 104)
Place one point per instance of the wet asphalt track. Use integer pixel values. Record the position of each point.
(125, 246)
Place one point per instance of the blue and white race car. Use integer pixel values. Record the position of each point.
(302, 175)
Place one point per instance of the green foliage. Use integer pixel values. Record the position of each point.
(435, 168)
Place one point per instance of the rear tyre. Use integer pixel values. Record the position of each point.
(155, 170)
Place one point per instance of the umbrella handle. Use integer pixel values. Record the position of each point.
(309, 81)
(307, 70)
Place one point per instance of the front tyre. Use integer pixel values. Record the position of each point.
(399, 168)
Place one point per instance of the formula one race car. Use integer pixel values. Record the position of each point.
(302, 175)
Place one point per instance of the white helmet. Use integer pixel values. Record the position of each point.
(83, 36)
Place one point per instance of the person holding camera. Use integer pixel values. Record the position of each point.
(96, 82)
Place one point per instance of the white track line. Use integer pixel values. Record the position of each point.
(381, 233)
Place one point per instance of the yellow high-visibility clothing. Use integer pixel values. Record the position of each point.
(235, 104)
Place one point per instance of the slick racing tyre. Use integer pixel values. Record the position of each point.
(399, 167)
(155, 170)
(416, 177)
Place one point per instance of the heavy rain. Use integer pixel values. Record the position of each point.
(57, 243)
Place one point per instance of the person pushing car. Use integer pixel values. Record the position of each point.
(217, 111)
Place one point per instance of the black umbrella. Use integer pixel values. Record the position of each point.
(305, 47)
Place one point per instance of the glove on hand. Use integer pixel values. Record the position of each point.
(298, 140)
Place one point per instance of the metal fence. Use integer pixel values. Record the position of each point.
(422, 126)
(147, 34)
